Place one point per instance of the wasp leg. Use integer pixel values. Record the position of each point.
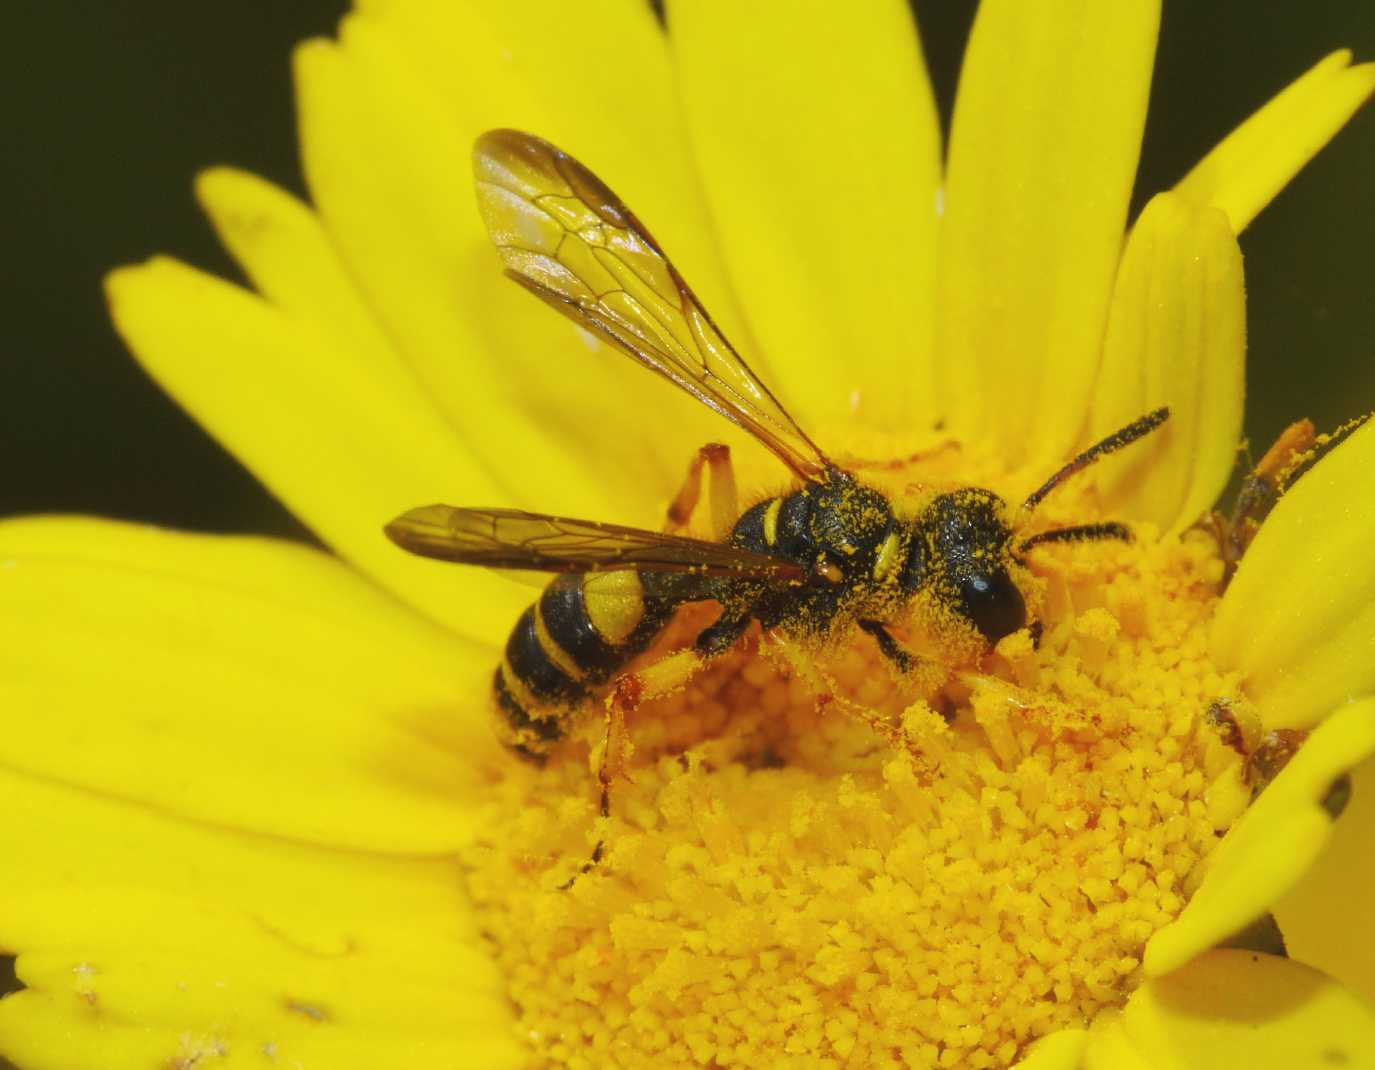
(827, 692)
(664, 677)
(721, 635)
(721, 494)
(888, 646)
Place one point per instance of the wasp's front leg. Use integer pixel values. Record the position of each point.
(663, 677)
(889, 647)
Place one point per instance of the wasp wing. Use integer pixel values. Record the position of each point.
(513, 538)
(568, 238)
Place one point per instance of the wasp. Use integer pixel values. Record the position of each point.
(828, 556)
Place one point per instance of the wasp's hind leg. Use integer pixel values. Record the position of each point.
(721, 494)
(663, 677)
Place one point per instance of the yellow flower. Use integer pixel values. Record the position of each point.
(261, 816)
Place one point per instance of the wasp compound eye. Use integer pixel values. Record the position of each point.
(992, 603)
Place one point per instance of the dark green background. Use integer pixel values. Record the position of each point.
(113, 107)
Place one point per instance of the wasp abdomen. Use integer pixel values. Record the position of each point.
(529, 736)
(583, 629)
(564, 610)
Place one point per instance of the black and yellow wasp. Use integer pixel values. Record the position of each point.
(829, 556)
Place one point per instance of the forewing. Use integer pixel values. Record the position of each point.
(514, 539)
(564, 235)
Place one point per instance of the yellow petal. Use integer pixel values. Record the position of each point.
(1111, 1048)
(1236, 1008)
(147, 941)
(1271, 846)
(515, 65)
(290, 260)
(1299, 617)
(1326, 919)
(1177, 337)
(822, 166)
(1061, 1050)
(244, 682)
(568, 426)
(1257, 159)
(345, 452)
(1043, 150)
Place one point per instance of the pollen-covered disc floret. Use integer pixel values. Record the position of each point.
(788, 885)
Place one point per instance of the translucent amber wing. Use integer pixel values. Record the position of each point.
(512, 538)
(565, 236)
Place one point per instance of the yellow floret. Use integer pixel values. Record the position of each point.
(786, 888)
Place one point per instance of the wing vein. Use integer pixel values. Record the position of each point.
(568, 238)
(513, 538)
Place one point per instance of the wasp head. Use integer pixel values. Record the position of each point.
(961, 549)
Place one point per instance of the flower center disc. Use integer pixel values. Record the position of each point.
(784, 887)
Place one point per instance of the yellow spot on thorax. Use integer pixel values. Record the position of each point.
(771, 521)
(787, 887)
(887, 556)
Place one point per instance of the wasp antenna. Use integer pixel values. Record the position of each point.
(1078, 533)
(1114, 442)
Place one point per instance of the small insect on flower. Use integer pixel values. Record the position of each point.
(1298, 448)
(809, 565)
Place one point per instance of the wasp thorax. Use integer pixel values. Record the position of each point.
(848, 522)
(963, 547)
